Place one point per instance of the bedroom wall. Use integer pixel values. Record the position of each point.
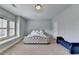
(20, 29)
(68, 24)
(39, 24)
(22, 26)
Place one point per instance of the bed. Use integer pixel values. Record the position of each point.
(36, 36)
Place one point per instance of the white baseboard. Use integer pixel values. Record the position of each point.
(4, 49)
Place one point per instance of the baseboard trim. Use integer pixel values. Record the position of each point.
(7, 47)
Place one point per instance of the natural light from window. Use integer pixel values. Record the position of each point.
(7, 28)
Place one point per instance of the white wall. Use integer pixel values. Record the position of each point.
(55, 29)
(39, 24)
(22, 26)
(20, 29)
(68, 24)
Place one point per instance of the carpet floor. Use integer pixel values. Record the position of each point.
(37, 49)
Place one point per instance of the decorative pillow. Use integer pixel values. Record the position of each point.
(39, 32)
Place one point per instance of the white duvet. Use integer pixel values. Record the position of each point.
(36, 33)
(36, 37)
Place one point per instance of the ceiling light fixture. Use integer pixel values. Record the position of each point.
(38, 6)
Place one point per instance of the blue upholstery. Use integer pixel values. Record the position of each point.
(66, 44)
(72, 47)
(75, 48)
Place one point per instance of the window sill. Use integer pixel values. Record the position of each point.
(4, 38)
(7, 40)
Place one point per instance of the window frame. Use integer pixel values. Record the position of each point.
(11, 28)
(8, 29)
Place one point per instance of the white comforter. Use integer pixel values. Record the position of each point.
(37, 33)
(36, 37)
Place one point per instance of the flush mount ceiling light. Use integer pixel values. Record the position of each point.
(38, 6)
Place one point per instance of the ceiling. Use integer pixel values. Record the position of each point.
(28, 11)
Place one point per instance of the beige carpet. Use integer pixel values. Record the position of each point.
(36, 49)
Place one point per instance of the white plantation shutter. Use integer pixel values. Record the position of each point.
(11, 28)
(7, 28)
(3, 28)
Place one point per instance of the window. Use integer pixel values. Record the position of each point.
(11, 28)
(3, 28)
(7, 28)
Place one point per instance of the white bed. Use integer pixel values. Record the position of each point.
(36, 37)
